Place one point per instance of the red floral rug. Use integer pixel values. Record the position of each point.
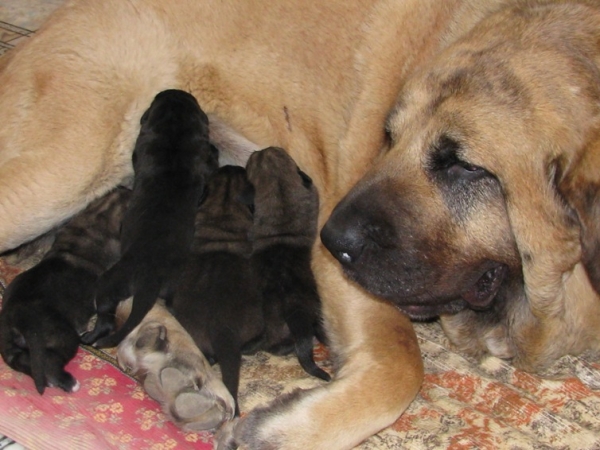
(463, 404)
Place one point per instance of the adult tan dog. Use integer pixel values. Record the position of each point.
(485, 208)
(478, 197)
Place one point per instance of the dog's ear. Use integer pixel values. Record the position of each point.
(580, 188)
(145, 117)
(246, 197)
(545, 234)
(203, 196)
(306, 180)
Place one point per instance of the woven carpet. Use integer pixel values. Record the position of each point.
(463, 404)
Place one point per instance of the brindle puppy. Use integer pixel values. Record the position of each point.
(217, 300)
(172, 159)
(46, 308)
(283, 233)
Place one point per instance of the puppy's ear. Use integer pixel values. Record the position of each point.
(246, 197)
(306, 180)
(580, 188)
(144, 118)
(203, 196)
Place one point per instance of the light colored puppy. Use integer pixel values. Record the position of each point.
(174, 371)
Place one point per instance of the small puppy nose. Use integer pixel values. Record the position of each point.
(345, 242)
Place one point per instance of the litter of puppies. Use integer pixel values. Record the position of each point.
(242, 284)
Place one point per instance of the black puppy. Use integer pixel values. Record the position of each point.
(217, 300)
(46, 308)
(285, 228)
(172, 160)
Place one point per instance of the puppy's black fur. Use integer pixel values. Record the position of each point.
(285, 228)
(46, 308)
(172, 160)
(217, 301)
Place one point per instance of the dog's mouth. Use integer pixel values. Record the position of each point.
(483, 292)
(478, 297)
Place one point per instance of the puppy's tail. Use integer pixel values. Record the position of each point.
(143, 300)
(37, 349)
(302, 329)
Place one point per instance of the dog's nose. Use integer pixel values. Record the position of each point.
(344, 240)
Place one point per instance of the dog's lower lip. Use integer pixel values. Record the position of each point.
(419, 312)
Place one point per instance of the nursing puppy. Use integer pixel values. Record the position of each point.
(46, 308)
(172, 159)
(174, 371)
(217, 300)
(286, 207)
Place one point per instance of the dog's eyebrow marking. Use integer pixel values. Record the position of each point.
(394, 115)
(489, 77)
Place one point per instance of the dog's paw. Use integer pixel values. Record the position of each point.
(198, 411)
(64, 381)
(193, 404)
(224, 438)
(103, 327)
(266, 428)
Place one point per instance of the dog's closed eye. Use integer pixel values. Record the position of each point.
(447, 163)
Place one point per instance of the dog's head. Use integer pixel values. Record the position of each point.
(224, 217)
(286, 200)
(488, 195)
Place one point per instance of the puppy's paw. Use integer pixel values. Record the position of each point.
(103, 327)
(64, 381)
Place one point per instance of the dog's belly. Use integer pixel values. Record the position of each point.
(273, 81)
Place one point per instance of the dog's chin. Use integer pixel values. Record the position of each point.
(477, 296)
(424, 313)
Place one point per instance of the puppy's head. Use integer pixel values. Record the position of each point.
(468, 210)
(174, 137)
(224, 217)
(38, 348)
(286, 200)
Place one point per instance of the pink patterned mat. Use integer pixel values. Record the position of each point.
(110, 411)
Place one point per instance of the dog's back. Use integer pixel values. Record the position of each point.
(217, 301)
(172, 160)
(284, 230)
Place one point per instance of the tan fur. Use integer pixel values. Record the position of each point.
(318, 79)
(532, 121)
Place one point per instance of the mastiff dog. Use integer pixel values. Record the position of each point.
(461, 137)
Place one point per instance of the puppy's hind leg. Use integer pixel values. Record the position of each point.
(301, 327)
(48, 361)
(111, 288)
(143, 300)
(227, 348)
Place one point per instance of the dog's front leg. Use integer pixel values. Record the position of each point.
(379, 373)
